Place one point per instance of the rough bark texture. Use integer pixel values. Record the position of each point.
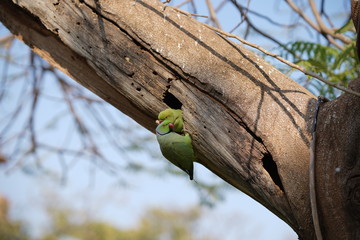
(249, 123)
(338, 166)
(355, 15)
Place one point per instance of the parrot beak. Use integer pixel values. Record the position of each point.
(171, 126)
(158, 121)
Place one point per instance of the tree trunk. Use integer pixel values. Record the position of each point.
(250, 124)
(338, 166)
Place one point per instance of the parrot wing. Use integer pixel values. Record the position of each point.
(178, 150)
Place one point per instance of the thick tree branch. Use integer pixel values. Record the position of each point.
(249, 123)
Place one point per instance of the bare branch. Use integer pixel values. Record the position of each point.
(182, 3)
(323, 13)
(243, 14)
(316, 13)
(324, 30)
(7, 41)
(302, 15)
(243, 11)
(190, 14)
(212, 13)
(269, 19)
(35, 95)
(329, 34)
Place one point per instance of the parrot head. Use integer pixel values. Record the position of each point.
(174, 116)
(167, 114)
(164, 127)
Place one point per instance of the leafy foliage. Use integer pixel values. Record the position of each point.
(336, 65)
(70, 223)
(155, 224)
(9, 229)
(12, 231)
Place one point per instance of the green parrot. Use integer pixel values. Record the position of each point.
(174, 116)
(175, 147)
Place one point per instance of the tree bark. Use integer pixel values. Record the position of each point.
(250, 124)
(355, 15)
(338, 166)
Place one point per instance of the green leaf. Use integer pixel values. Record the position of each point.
(348, 26)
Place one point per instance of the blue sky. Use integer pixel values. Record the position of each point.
(104, 196)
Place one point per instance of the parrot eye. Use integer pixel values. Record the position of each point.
(171, 126)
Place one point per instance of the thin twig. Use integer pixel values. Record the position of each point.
(312, 188)
(190, 14)
(323, 13)
(7, 43)
(251, 25)
(218, 8)
(182, 3)
(35, 92)
(221, 5)
(265, 17)
(325, 31)
(7, 40)
(302, 15)
(242, 13)
(309, 73)
(212, 13)
(323, 27)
